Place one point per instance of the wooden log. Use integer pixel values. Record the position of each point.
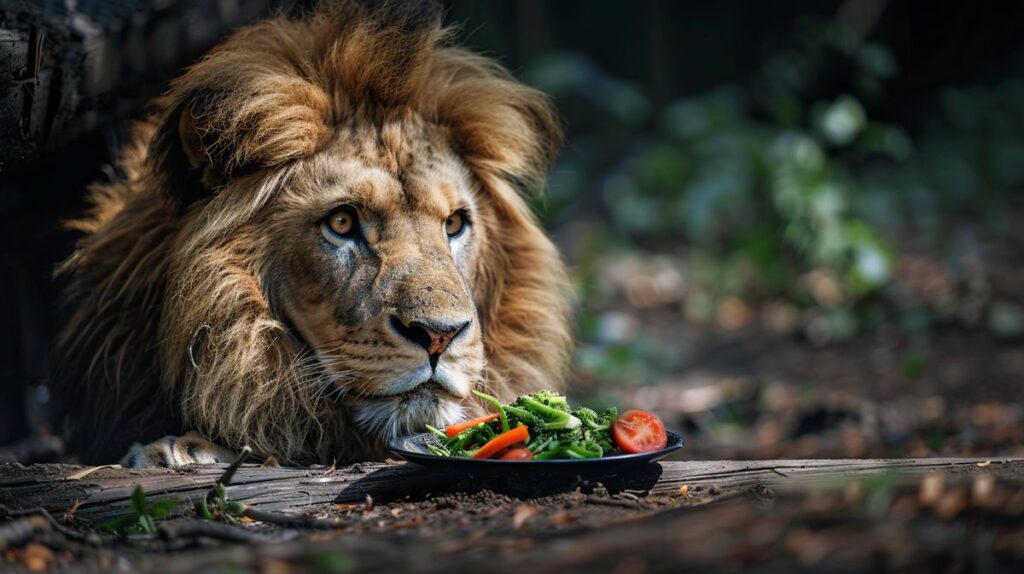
(66, 68)
(106, 492)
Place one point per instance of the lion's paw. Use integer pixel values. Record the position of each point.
(176, 451)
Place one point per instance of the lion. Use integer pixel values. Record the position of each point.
(320, 239)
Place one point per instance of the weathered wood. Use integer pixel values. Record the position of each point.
(66, 67)
(740, 535)
(106, 492)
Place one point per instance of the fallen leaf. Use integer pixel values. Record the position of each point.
(562, 518)
(932, 486)
(87, 471)
(684, 490)
(34, 557)
(523, 513)
(272, 566)
(951, 504)
(982, 488)
(853, 492)
(808, 547)
(412, 522)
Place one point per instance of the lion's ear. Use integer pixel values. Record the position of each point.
(211, 135)
(191, 141)
(196, 153)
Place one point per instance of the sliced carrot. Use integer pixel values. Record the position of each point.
(503, 441)
(459, 427)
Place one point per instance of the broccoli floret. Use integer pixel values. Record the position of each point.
(551, 399)
(526, 417)
(557, 437)
(554, 418)
(595, 421)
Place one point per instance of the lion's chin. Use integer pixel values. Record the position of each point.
(385, 418)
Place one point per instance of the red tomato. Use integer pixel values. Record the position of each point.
(639, 431)
(518, 453)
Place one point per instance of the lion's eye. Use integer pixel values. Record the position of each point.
(455, 223)
(340, 223)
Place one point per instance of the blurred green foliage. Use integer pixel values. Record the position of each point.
(792, 188)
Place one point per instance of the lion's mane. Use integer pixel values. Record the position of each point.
(170, 327)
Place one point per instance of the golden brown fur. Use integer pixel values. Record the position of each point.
(197, 303)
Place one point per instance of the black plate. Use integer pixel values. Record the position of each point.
(413, 449)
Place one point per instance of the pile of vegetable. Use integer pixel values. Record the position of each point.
(543, 426)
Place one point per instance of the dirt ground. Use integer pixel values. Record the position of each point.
(760, 395)
(939, 524)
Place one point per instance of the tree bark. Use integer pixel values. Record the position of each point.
(65, 68)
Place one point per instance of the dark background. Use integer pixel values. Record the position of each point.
(711, 257)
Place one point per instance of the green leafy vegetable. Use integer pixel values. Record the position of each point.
(497, 404)
(556, 430)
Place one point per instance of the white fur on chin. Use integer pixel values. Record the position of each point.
(388, 418)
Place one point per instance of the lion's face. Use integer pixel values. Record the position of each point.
(377, 241)
(322, 239)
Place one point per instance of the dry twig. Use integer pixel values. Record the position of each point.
(216, 530)
(600, 500)
(293, 521)
(229, 472)
(53, 522)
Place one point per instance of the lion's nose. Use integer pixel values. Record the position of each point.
(431, 335)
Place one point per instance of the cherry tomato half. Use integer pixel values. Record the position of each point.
(518, 453)
(639, 431)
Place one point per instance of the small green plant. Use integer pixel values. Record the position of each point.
(218, 507)
(879, 492)
(144, 516)
(333, 562)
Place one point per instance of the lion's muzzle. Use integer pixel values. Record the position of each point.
(433, 336)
